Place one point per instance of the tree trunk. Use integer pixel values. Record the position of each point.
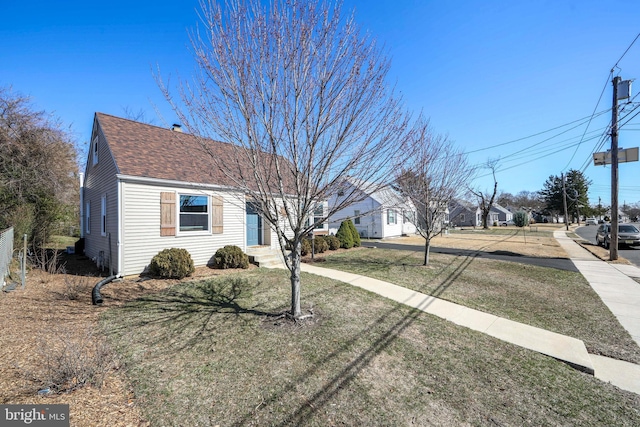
(295, 279)
(427, 246)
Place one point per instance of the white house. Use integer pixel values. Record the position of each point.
(147, 188)
(378, 213)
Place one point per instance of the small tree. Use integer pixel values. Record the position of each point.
(433, 173)
(301, 95)
(345, 235)
(521, 219)
(354, 234)
(38, 170)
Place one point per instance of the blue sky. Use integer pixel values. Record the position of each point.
(486, 72)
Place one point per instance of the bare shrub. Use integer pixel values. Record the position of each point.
(70, 360)
(74, 286)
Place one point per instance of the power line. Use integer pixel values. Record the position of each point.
(535, 134)
(592, 115)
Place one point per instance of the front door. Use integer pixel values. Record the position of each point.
(254, 226)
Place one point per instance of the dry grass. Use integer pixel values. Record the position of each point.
(209, 353)
(556, 300)
(538, 243)
(51, 339)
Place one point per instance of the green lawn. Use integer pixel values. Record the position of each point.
(212, 353)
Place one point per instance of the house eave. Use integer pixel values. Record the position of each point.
(172, 183)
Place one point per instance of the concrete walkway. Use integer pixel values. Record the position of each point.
(619, 292)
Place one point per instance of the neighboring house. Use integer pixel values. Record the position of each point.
(499, 214)
(147, 188)
(464, 214)
(379, 213)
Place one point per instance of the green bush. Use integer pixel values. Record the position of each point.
(354, 234)
(305, 248)
(333, 241)
(520, 219)
(230, 256)
(172, 263)
(345, 235)
(321, 245)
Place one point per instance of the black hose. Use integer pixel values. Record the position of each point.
(96, 298)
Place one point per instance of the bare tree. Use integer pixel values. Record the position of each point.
(433, 174)
(38, 170)
(487, 198)
(302, 96)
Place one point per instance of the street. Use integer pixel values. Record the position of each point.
(588, 232)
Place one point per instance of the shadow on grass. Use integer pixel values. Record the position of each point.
(188, 309)
(342, 378)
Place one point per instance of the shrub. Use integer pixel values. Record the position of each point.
(69, 360)
(333, 241)
(172, 263)
(231, 257)
(345, 235)
(305, 248)
(354, 233)
(520, 219)
(321, 244)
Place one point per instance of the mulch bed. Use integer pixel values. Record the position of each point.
(54, 309)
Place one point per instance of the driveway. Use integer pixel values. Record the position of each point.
(632, 254)
(557, 263)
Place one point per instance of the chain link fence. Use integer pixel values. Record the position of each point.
(6, 253)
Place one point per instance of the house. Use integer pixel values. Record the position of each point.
(464, 214)
(147, 188)
(377, 212)
(499, 214)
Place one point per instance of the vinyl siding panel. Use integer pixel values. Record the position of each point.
(141, 226)
(370, 221)
(100, 180)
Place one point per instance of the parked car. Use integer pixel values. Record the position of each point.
(505, 223)
(591, 221)
(628, 235)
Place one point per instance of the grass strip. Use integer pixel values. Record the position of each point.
(212, 353)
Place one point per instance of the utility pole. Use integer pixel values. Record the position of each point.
(613, 247)
(564, 202)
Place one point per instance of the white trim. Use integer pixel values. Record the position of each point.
(120, 244)
(88, 218)
(103, 215)
(94, 150)
(173, 183)
(81, 179)
(206, 232)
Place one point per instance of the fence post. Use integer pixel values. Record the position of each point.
(24, 262)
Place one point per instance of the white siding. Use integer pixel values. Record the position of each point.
(100, 181)
(370, 219)
(141, 227)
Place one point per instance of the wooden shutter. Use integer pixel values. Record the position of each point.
(167, 213)
(217, 214)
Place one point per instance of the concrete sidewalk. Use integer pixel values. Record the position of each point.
(612, 282)
(570, 350)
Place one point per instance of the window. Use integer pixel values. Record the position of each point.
(462, 218)
(391, 216)
(88, 218)
(94, 150)
(318, 216)
(356, 217)
(194, 213)
(408, 216)
(103, 216)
